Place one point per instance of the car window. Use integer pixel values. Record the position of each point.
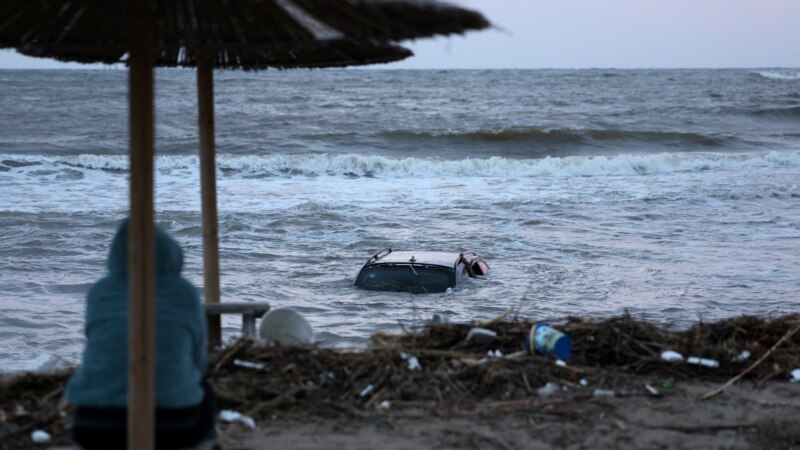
(401, 278)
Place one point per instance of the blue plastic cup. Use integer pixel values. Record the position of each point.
(547, 341)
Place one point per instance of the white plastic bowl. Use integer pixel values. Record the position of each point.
(285, 327)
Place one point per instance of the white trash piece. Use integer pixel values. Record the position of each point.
(795, 376)
(494, 353)
(366, 391)
(583, 382)
(480, 336)
(412, 361)
(671, 356)
(547, 390)
(744, 356)
(40, 437)
(603, 393)
(229, 415)
(561, 363)
(248, 364)
(286, 327)
(384, 405)
(702, 362)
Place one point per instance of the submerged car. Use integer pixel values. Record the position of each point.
(419, 272)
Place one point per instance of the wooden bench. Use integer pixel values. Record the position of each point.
(248, 310)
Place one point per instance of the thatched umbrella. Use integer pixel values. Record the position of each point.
(236, 34)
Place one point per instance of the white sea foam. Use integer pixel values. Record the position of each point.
(779, 74)
(380, 166)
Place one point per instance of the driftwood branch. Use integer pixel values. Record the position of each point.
(766, 355)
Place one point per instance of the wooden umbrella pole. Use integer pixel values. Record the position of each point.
(208, 188)
(141, 245)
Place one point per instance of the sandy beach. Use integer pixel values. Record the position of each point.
(745, 417)
(434, 388)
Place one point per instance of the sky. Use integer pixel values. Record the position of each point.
(601, 33)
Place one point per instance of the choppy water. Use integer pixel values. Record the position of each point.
(668, 193)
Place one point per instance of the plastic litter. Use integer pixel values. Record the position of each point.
(547, 390)
(561, 363)
(795, 376)
(702, 362)
(248, 364)
(668, 384)
(744, 356)
(547, 341)
(583, 382)
(480, 336)
(327, 378)
(40, 436)
(603, 393)
(412, 361)
(671, 356)
(386, 404)
(366, 391)
(229, 415)
(653, 391)
(286, 327)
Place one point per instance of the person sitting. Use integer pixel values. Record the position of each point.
(99, 388)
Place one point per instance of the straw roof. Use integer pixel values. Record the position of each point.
(242, 33)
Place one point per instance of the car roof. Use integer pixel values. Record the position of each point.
(446, 259)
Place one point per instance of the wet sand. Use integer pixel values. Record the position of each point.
(743, 417)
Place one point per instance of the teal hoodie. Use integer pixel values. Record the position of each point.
(102, 379)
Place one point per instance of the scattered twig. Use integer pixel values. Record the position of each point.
(766, 355)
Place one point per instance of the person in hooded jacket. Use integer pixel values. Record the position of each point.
(99, 388)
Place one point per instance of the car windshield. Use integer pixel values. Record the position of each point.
(416, 279)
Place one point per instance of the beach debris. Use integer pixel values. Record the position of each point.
(561, 363)
(786, 337)
(742, 357)
(494, 353)
(40, 437)
(545, 340)
(547, 390)
(653, 391)
(366, 391)
(480, 336)
(603, 393)
(248, 364)
(583, 382)
(20, 411)
(230, 416)
(671, 356)
(285, 326)
(795, 376)
(384, 405)
(327, 377)
(696, 360)
(412, 361)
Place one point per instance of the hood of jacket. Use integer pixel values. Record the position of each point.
(169, 256)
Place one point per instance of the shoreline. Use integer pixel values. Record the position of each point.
(745, 417)
(434, 388)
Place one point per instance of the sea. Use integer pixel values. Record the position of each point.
(670, 195)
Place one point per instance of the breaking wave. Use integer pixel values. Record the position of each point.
(536, 135)
(378, 166)
(778, 74)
